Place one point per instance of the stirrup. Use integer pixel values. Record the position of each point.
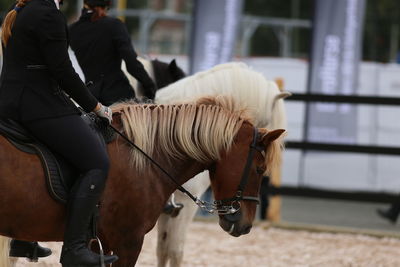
(100, 260)
(101, 252)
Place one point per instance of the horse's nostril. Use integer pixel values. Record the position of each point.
(247, 229)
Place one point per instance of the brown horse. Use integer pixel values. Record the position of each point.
(184, 139)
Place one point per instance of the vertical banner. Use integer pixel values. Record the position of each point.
(335, 56)
(214, 30)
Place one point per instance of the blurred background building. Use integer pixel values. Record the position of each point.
(261, 34)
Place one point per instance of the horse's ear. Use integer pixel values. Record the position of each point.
(272, 136)
(284, 95)
(172, 65)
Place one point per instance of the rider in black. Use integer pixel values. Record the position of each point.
(36, 76)
(100, 44)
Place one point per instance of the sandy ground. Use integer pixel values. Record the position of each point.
(208, 245)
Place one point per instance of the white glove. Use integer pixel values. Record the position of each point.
(103, 112)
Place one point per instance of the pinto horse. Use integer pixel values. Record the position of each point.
(162, 73)
(185, 139)
(252, 92)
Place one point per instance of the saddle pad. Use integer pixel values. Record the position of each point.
(59, 174)
(54, 176)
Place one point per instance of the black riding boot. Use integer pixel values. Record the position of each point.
(26, 249)
(82, 203)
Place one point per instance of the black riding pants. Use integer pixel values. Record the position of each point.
(72, 138)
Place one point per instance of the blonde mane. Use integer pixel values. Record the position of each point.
(200, 131)
(250, 90)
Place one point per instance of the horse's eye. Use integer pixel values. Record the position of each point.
(260, 170)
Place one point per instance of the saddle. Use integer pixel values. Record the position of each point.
(59, 174)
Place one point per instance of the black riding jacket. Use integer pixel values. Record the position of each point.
(36, 68)
(100, 46)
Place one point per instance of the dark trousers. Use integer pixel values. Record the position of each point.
(73, 139)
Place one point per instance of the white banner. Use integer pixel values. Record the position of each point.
(214, 32)
(337, 32)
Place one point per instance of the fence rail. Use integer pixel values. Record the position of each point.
(353, 99)
(383, 150)
(362, 196)
(367, 196)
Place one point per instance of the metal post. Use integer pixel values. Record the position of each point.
(287, 43)
(188, 28)
(295, 12)
(121, 6)
(283, 34)
(146, 20)
(249, 29)
(394, 42)
(250, 24)
(79, 6)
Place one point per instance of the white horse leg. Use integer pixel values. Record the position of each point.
(172, 231)
(162, 244)
(177, 230)
(4, 250)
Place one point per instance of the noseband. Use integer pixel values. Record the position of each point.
(232, 205)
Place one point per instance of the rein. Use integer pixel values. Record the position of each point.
(181, 188)
(218, 205)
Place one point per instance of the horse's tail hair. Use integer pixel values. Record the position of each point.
(4, 250)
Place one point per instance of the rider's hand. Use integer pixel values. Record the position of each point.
(103, 112)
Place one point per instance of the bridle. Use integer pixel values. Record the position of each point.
(232, 205)
(224, 206)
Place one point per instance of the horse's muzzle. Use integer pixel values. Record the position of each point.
(232, 224)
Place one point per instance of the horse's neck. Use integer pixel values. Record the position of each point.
(180, 170)
(150, 188)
